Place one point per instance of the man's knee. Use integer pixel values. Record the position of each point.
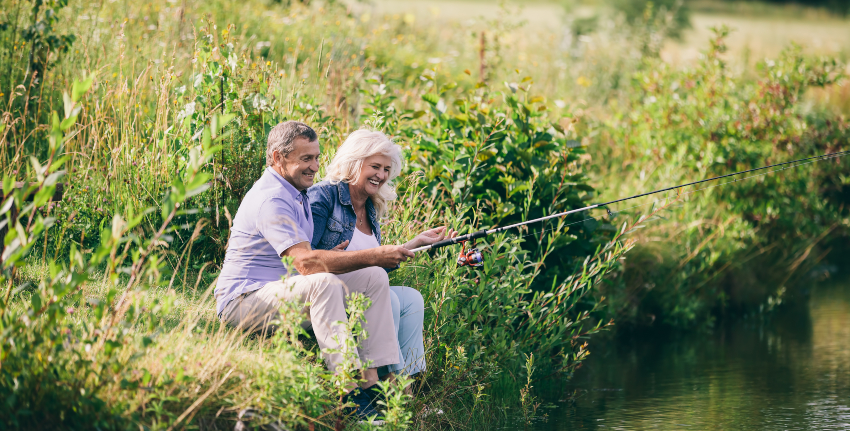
(378, 277)
(327, 284)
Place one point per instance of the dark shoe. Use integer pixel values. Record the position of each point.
(375, 395)
(364, 410)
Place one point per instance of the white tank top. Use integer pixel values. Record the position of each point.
(361, 241)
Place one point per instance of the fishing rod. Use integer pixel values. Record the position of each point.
(473, 257)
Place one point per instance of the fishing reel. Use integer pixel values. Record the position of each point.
(471, 257)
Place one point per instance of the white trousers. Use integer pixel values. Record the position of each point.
(324, 298)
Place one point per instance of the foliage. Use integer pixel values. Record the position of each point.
(672, 17)
(684, 125)
(501, 152)
(175, 119)
(50, 361)
(837, 6)
(40, 41)
(484, 321)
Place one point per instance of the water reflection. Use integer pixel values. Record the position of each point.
(792, 372)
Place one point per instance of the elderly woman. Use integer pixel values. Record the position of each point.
(347, 207)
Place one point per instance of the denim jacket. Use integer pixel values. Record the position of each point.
(334, 220)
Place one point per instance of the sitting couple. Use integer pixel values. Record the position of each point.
(332, 232)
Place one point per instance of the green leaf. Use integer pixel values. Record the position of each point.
(80, 88)
(109, 346)
(431, 98)
(7, 205)
(36, 301)
(67, 123)
(68, 104)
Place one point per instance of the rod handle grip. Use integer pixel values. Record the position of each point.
(444, 243)
(450, 241)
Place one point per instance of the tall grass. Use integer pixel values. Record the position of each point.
(162, 133)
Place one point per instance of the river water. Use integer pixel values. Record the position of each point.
(790, 371)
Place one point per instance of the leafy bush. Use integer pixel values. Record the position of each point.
(61, 347)
(499, 153)
(688, 124)
(482, 322)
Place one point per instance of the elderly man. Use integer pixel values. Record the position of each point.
(274, 220)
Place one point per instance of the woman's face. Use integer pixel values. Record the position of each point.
(374, 172)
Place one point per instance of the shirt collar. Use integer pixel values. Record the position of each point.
(286, 185)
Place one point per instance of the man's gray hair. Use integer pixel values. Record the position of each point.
(282, 138)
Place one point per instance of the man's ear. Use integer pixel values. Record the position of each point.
(277, 158)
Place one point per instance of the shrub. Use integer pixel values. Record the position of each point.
(695, 123)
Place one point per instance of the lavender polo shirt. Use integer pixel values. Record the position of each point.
(272, 217)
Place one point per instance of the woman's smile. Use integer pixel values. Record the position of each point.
(374, 173)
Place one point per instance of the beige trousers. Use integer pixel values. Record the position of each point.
(324, 298)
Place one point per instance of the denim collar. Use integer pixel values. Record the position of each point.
(345, 199)
(344, 193)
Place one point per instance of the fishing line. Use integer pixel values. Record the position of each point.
(620, 211)
(475, 256)
(591, 218)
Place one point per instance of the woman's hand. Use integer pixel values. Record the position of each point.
(430, 236)
(341, 246)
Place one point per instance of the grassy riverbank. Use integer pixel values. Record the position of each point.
(161, 112)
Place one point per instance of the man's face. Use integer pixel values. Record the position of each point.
(299, 167)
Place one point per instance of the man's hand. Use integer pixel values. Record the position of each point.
(390, 256)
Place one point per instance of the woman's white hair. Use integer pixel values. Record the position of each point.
(348, 161)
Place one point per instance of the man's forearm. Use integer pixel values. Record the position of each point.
(334, 262)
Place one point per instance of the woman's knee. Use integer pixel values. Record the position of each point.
(395, 304)
(414, 303)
